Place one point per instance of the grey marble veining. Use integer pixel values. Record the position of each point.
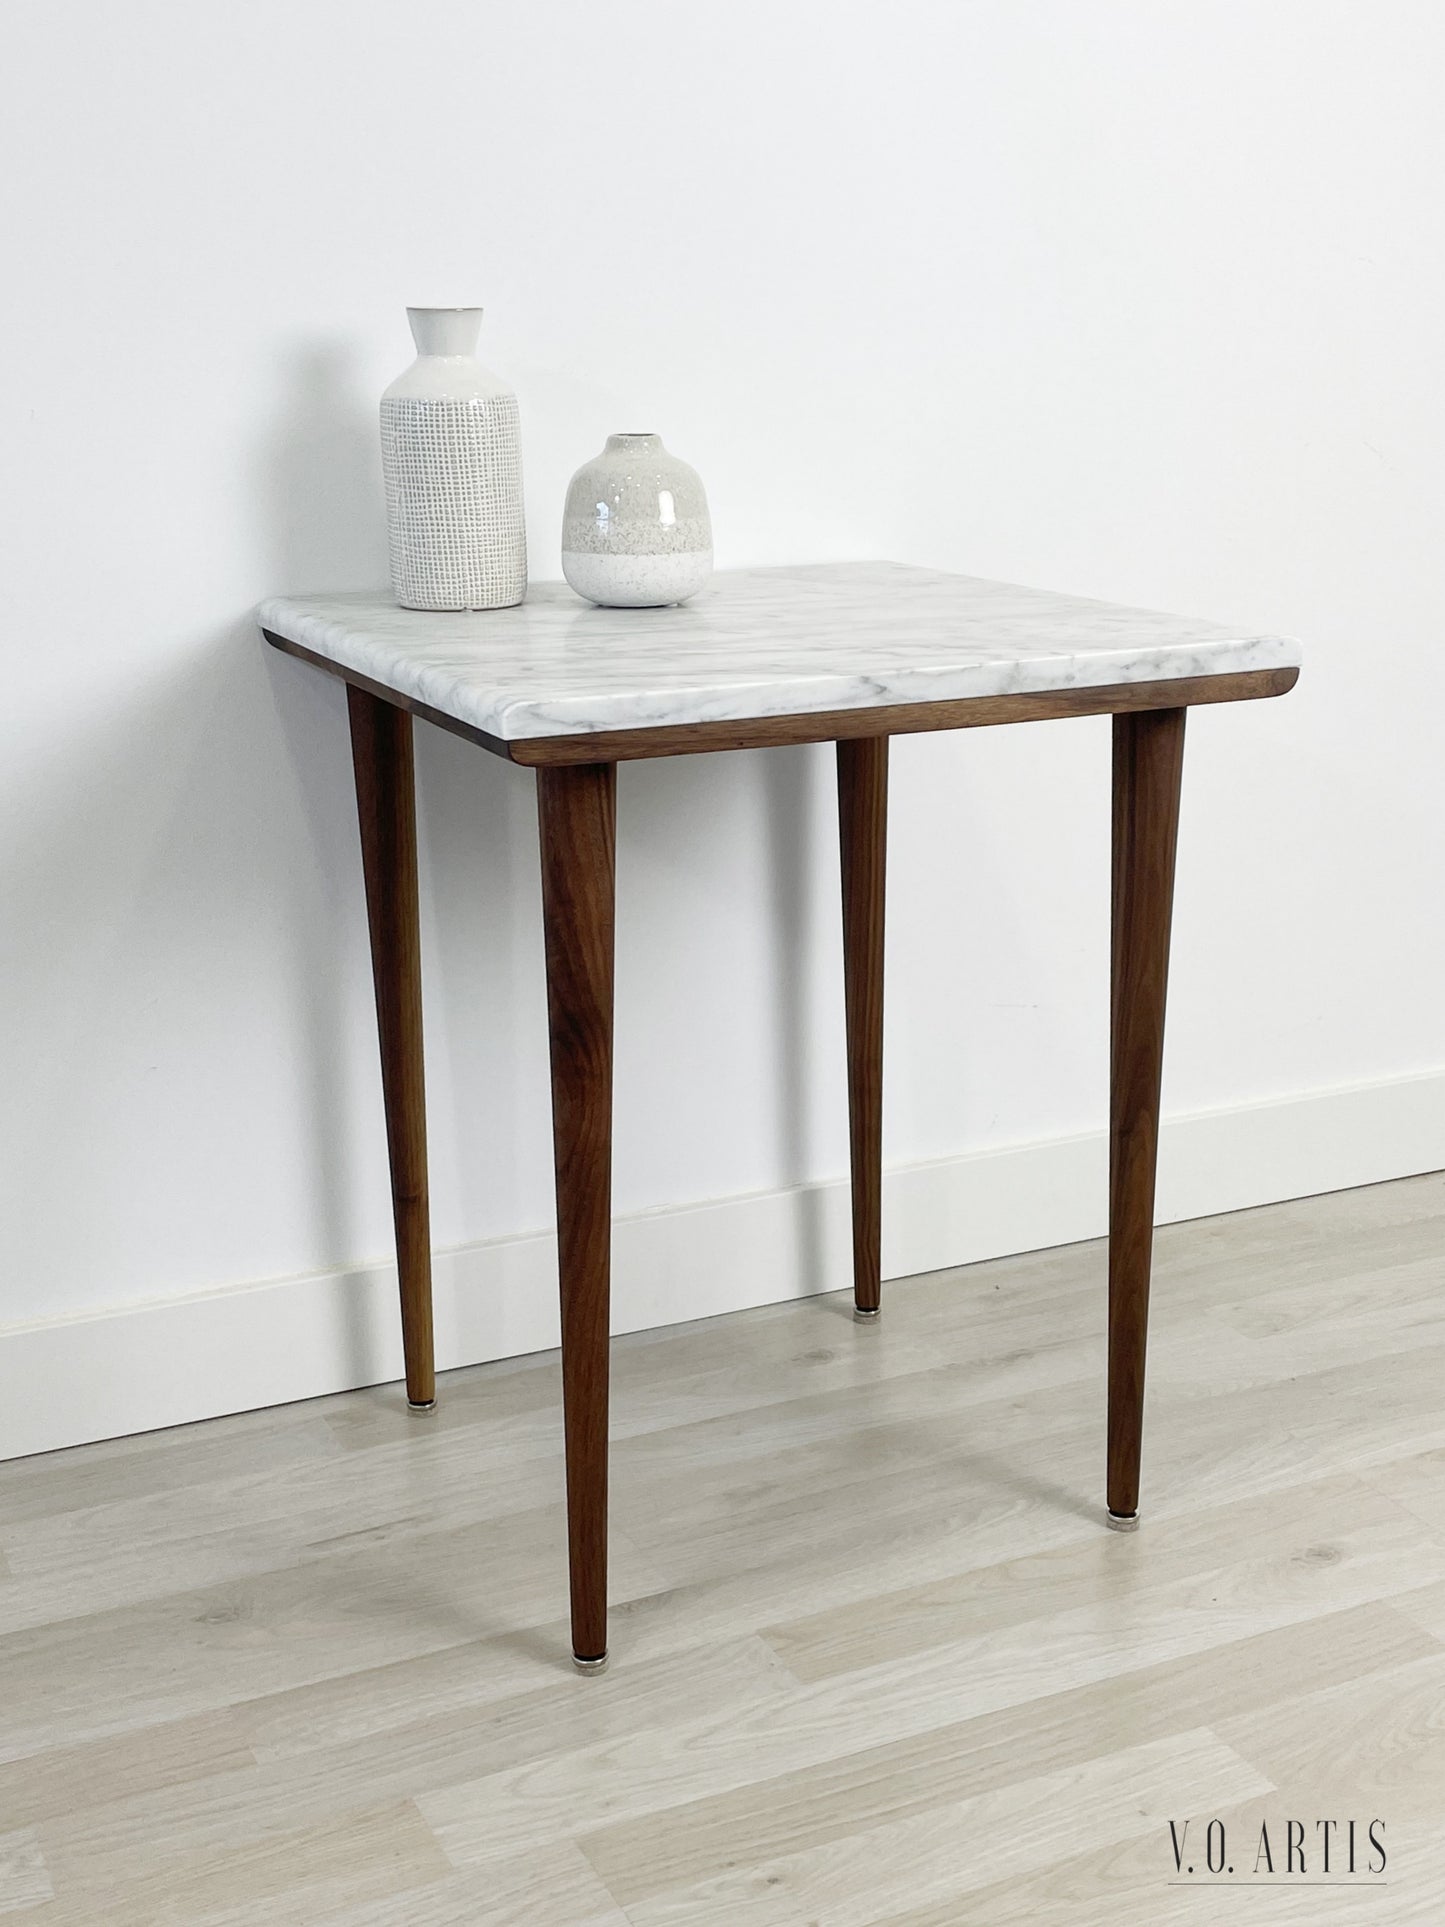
(757, 642)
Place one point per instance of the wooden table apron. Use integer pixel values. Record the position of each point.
(576, 798)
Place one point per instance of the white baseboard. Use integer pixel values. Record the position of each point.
(141, 1367)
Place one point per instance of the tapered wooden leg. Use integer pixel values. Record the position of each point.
(863, 836)
(577, 807)
(386, 806)
(1148, 761)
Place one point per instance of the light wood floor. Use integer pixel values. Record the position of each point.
(875, 1660)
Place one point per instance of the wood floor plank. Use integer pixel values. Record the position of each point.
(1425, 1606)
(287, 1878)
(974, 1674)
(939, 1855)
(958, 1502)
(550, 1886)
(89, 1560)
(24, 1877)
(670, 1489)
(196, 1651)
(1133, 1883)
(357, 1705)
(220, 1814)
(1379, 1739)
(1368, 1297)
(1417, 1482)
(854, 1791)
(1108, 1569)
(155, 1758)
(51, 1484)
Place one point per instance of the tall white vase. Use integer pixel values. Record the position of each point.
(451, 457)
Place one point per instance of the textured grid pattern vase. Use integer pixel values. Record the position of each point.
(451, 459)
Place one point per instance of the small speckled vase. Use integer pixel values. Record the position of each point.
(636, 533)
(451, 458)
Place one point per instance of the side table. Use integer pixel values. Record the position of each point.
(849, 653)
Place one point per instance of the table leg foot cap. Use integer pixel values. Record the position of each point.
(421, 1405)
(865, 1314)
(589, 1665)
(1122, 1521)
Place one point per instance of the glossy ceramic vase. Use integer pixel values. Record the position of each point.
(451, 458)
(636, 532)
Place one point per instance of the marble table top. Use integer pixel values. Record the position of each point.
(756, 643)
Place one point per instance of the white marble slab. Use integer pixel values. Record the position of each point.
(757, 642)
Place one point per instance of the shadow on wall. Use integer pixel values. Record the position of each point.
(791, 834)
(174, 910)
(320, 491)
(717, 945)
(319, 497)
(318, 477)
(181, 888)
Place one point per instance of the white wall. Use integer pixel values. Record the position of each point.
(1138, 300)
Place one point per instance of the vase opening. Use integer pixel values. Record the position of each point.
(445, 331)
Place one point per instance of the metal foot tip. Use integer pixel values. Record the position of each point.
(421, 1405)
(589, 1665)
(865, 1314)
(1122, 1521)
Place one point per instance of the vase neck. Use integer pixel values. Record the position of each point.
(635, 444)
(445, 331)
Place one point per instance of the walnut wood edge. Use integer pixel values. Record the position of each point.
(826, 726)
(357, 681)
